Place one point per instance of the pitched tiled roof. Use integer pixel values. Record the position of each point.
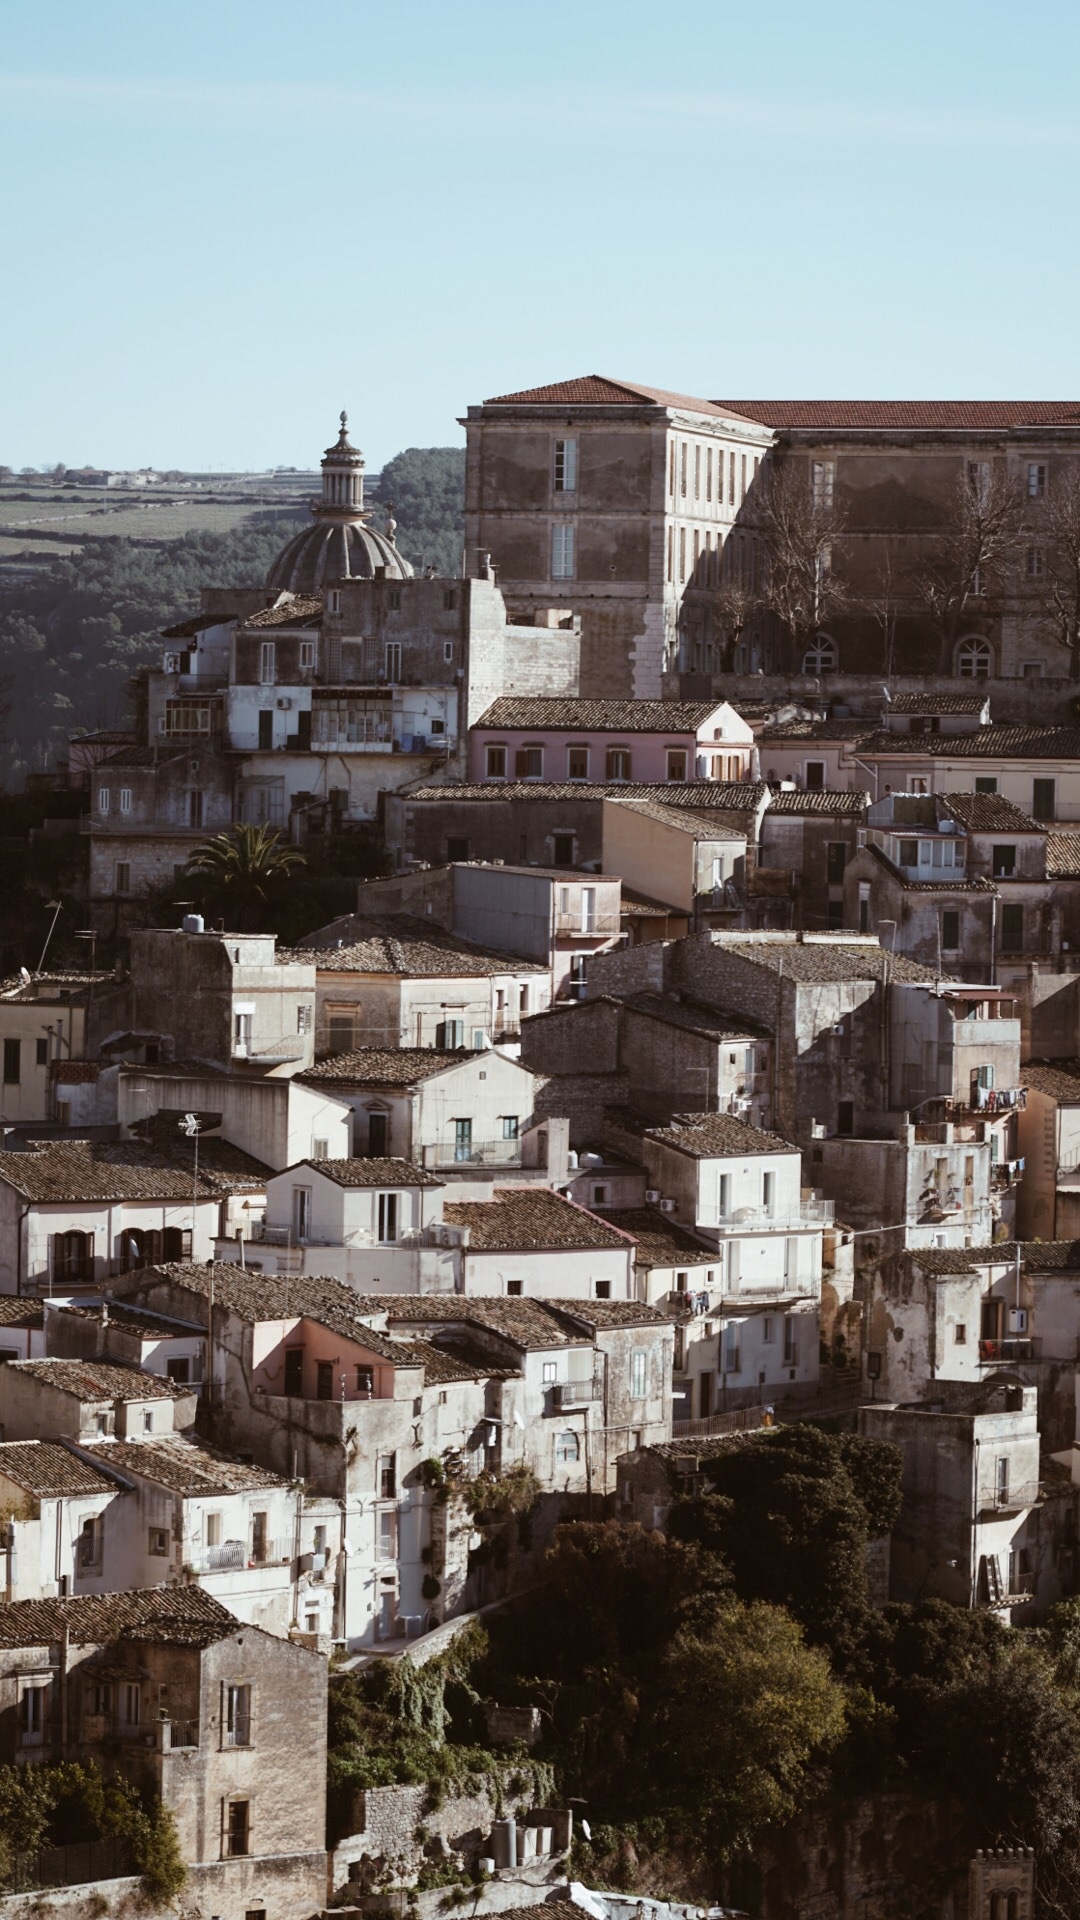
(15, 1312)
(371, 1173)
(525, 1323)
(827, 960)
(403, 944)
(809, 801)
(688, 1015)
(196, 623)
(709, 824)
(519, 1218)
(596, 389)
(814, 730)
(742, 796)
(305, 610)
(1063, 856)
(706, 1134)
(255, 1297)
(50, 1471)
(1049, 1256)
(1058, 1078)
(660, 1241)
(93, 1380)
(928, 415)
(183, 1466)
(185, 1616)
(937, 702)
(84, 1171)
(986, 813)
(608, 716)
(984, 743)
(600, 1314)
(386, 1066)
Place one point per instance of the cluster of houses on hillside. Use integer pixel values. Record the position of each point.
(706, 1058)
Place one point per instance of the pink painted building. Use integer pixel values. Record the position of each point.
(644, 741)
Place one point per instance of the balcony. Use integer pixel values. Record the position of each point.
(236, 1556)
(472, 1153)
(576, 1393)
(595, 926)
(998, 1353)
(809, 1212)
(1010, 1499)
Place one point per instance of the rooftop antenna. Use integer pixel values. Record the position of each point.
(56, 907)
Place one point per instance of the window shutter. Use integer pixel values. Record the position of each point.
(521, 762)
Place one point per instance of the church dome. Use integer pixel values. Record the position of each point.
(341, 544)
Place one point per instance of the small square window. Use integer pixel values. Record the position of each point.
(960, 1334)
(159, 1541)
(515, 1288)
(603, 1289)
(41, 1053)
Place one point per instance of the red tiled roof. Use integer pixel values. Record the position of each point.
(596, 390)
(930, 415)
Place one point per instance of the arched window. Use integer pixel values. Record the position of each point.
(821, 657)
(567, 1449)
(974, 660)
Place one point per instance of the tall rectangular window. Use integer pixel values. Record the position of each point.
(823, 480)
(123, 877)
(768, 1192)
(671, 469)
(708, 473)
(238, 1828)
(682, 553)
(562, 553)
(1036, 480)
(697, 472)
(682, 469)
(12, 1062)
(670, 551)
(723, 1196)
(238, 1716)
(639, 1374)
(1044, 799)
(196, 806)
(791, 1352)
(731, 479)
(267, 663)
(393, 661)
(1012, 928)
(950, 931)
(588, 909)
(388, 1217)
(566, 466)
(125, 799)
(742, 478)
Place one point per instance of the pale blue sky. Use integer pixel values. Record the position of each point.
(225, 219)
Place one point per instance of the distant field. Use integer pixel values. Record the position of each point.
(61, 523)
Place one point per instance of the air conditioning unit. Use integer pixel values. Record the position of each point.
(283, 706)
(1017, 1319)
(667, 1206)
(652, 1196)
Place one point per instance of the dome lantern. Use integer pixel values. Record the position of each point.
(341, 543)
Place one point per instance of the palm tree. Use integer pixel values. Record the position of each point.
(244, 874)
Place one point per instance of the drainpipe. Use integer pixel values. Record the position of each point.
(19, 1250)
(64, 1646)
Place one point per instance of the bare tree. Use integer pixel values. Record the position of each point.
(885, 601)
(736, 604)
(799, 526)
(1052, 566)
(967, 562)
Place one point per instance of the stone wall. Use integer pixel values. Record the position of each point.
(399, 1832)
(284, 1886)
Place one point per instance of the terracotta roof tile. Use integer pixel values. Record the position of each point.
(50, 1471)
(186, 1616)
(660, 1242)
(523, 1322)
(805, 801)
(183, 1466)
(707, 1134)
(1058, 1078)
(403, 944)
(596, 389)
(984, 743)
(520, 1218)
(512, 711)
(985, 813)
(930, 703)
(95, 1380)
(371, 1173)
(87, 1171)
(386, 1066)
(304, 610)
(1063, 856)
(736, 796)
(925, 415)
(819, 960)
